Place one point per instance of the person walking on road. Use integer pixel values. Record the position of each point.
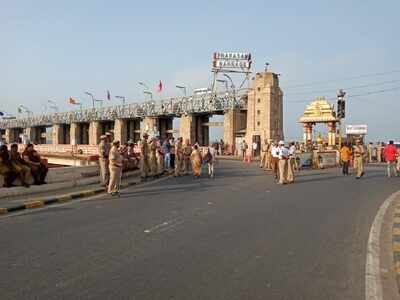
(196, 160)
(345, 155)
(243, 149)
(209, 159)
(291, 163)
(115, 165)
(145, 160)
(283, 162)
(390, 154)
(359, 155)
(104, 150)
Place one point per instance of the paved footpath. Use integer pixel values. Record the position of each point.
(238, 236)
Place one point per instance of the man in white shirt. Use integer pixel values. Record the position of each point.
(283, 162)
(291, 163)
(275, 159)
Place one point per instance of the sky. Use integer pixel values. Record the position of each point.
(51, 50)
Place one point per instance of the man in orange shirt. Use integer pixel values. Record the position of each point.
(345, 155)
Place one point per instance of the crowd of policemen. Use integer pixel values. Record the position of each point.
(14, 165)
(152, 156)
(279, 158)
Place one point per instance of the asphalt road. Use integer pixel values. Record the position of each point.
(238, 236)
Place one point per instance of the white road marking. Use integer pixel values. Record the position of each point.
(171, 226)
(160, 225)
(373, 283)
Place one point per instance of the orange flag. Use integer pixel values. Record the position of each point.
(72, 101)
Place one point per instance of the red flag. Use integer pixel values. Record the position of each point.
(160, 87)
(72, 101)
(108, 95)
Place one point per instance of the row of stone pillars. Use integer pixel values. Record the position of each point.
(308, 132)
(192, 127)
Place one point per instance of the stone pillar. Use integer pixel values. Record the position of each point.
(30, 134)
(331, 133)
(94, 132)
(150, 125)
(187, 128)
(74, 133)
(307, 136)
(57, 134)
(10, 135)
(120, 130)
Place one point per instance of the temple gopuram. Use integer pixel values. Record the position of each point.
(319, 111)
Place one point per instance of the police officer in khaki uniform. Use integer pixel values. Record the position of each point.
(153, 157)
(264, 154)
(178, 157)
(144, 159)
(359, 153)
(115, 166)
(104, 149)
(187, 151)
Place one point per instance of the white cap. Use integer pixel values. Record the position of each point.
(281, 143)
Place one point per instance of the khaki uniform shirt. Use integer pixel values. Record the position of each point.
(104, 149)
(115, 158)
(144, 149)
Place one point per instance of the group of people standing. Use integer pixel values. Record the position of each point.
(154, 158)
(280, 159)
(14, 165)
(357, 155)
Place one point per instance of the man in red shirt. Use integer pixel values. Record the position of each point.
(390, 154)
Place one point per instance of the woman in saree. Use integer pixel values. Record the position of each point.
(196, 160)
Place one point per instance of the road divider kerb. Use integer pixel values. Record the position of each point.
(396, 244)
(37, 203)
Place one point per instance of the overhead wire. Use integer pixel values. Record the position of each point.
(339, 79)
(344, 88)
(356, 95)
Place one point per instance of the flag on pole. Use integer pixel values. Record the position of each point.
(160, 87)
(108, 95)
(72, 101)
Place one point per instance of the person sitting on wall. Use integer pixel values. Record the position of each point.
(20, 167)
(38, 168)
(6, 169)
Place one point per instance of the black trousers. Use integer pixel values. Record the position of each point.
(172, 160)
(345, 167)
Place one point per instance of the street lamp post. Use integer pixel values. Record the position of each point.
(224, 82)
(182, 88)
(54, 106)
(91, 95)
(121, 97)
(149, 93)
(144, 85)
(232, 86)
